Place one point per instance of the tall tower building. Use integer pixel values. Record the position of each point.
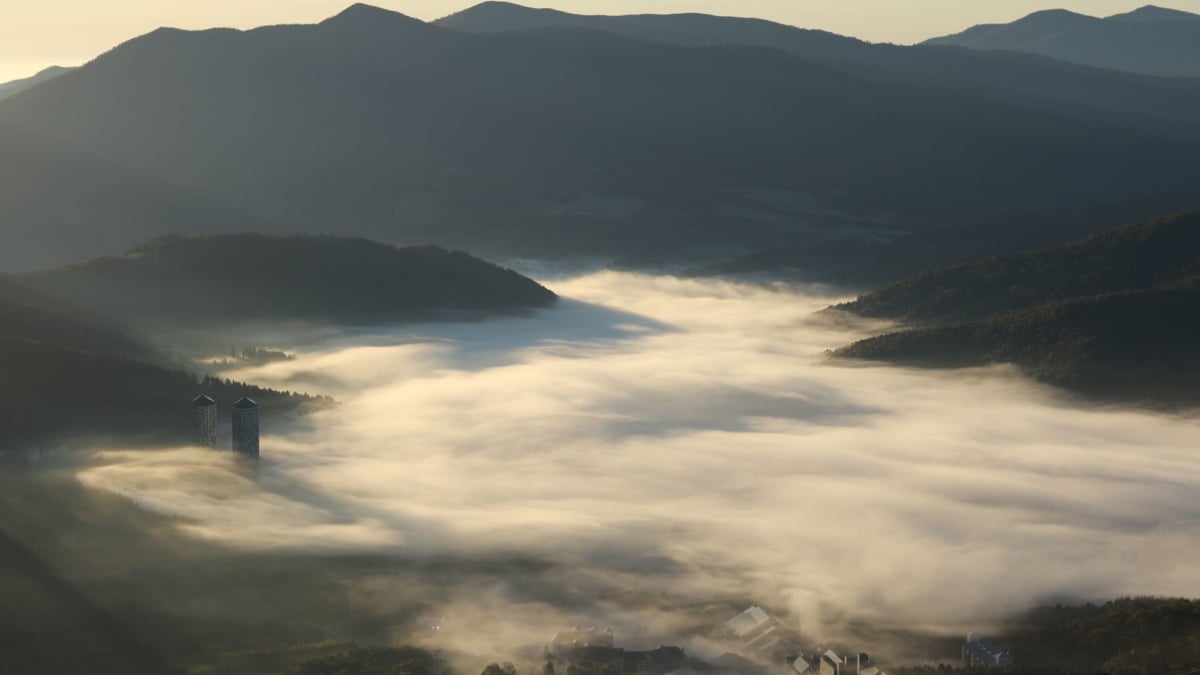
(204, 422)
(245, 427)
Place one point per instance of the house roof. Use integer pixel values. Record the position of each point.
(986, 651)
(244, 403)
(203, 400)
(748, 620)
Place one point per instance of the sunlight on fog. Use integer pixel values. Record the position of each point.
(699, 422)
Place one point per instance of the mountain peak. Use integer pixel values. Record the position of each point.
(497, 15)
(1154, 14)
(1056, 16)
(364, 15)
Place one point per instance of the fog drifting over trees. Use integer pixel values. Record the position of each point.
(692, 435)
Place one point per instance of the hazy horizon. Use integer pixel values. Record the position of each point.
(36, 34)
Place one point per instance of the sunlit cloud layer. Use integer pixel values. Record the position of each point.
(700, 425)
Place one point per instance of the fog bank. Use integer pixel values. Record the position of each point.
(690, 436)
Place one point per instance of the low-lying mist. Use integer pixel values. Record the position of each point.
(657, 435)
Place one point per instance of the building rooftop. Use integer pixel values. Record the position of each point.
(986, 652)
(203, 400)
(244, 403)
(748, 620)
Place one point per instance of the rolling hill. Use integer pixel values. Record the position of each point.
(208, 280)
(1162, 252)
(1112, 316)
(1151, 40)
(564, 140)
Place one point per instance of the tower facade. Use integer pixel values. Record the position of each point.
(245, 427)
(204, 422)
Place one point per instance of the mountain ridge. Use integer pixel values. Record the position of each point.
(1155, 13)
(1150, 40)
(548, 143)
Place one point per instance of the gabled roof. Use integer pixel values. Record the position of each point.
(203, 400)
(244, 403)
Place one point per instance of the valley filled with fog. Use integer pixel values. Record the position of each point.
(693, 438)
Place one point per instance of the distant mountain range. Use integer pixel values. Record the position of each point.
(1114, 315)
(568, 140)
(1151, 40)
(17, 86)
(216, 279)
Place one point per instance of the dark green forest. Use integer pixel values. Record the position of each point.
(68, 372)
(1113, 316)
(1126, 636)
(29, 315)
(54, 394)
(204, 280)
(1160, 252)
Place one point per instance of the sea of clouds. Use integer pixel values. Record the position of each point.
(694, 435)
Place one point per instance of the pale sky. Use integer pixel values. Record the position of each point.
(38, 33)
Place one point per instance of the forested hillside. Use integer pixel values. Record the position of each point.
(1160, 252)
(68, 373)
(1151, 40)
(29, 315)
(1112, 316)
(207, 280)
(1127, 636)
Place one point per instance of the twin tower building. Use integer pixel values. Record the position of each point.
(245, 425)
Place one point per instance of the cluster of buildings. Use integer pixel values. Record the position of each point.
(762, 639)
(765, 644)
(769, 639)
(245, 425)
(979, 653)
(594, 650)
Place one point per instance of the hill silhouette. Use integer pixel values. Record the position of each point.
(1037, 83)
(203, 280)
(563, 140)
(1150, 40)
(17, 86)
(1113, 316)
